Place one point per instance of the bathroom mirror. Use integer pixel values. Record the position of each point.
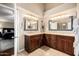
(61, 24)
(30, 24)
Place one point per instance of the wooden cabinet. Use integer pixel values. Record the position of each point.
(51, 40)
(59, 42)
(65, 44)
(32, 42)
(68, 46)
(48, 40)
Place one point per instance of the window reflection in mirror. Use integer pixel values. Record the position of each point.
(64, 24)
(30, 24)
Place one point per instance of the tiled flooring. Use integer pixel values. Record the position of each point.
(43, 51)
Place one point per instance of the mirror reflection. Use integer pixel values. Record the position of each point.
(30, 24)
(65, 24)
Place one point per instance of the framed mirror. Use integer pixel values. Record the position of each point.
(30, 24)
(62, 24)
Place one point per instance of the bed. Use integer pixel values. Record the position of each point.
(6, 44)
(7, 39)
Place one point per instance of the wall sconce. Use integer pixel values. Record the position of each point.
(31, 17)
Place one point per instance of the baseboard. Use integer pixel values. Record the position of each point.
(21, 50)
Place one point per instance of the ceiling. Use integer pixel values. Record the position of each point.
(11, 5)
(5, 12)
(43, 6)
(6, 9)
(49, 6)
(38, 8)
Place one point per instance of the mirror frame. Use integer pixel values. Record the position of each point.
(58, 29)
(29, 29)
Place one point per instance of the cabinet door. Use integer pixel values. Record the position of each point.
(48, 40)
(60, 44)
(41, 40)
(53, 41)
(34, 43)
(68, 48)
(26, 43)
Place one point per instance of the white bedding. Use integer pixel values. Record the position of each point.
(6, 44)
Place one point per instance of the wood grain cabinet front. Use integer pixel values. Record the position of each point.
(65, 44)
(58, 42)
(51, 40)
(32, 42)
(68, 46)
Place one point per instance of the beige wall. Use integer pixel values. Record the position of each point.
(36, 8)
(78, 10)
(49, 6)
(60, 10)
(6, 25)
(35, 11)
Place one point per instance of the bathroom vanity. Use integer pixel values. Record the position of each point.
(33, 42)
(59, 42)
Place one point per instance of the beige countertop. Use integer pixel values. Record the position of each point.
(64, 34)
(30, 34)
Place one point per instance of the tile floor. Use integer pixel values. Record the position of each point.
(43, 51)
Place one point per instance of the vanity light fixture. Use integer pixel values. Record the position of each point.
(58, 17)
(31, 17)
(63, 24)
